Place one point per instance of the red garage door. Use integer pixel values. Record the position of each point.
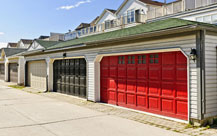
(155, 83)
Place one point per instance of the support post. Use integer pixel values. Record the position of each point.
(93, 77)
(49, 63)
(21, 70)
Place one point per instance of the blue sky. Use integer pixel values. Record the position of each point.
(31, 18)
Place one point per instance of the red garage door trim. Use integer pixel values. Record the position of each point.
(155, 82)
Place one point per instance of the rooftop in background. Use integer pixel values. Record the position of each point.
(13, 51)
(12, 45)
(43, 37)
(47, 44)
(132, 31)
(82, 25)
(153, 2)
(26, 41)
(112, 10)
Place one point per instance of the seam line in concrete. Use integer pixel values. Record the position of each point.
(52, 122)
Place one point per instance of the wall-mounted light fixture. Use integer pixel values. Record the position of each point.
(64, 55)
(193, 54)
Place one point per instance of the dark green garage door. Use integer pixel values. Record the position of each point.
(13, 72)
(2, 71)
(70, 77)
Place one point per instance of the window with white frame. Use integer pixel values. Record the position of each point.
(130, 16)
(107, 24)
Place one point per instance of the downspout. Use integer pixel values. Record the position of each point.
(200, 47)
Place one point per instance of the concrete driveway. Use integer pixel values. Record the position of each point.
(25, 114)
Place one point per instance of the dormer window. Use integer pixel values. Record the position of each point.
(130, 16)
(83, 31)
(107, 23)
(79, 32)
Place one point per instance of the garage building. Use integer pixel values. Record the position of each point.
(166, 68)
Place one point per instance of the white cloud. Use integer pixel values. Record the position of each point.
(3, 45)
(1, 33)
(73, 6)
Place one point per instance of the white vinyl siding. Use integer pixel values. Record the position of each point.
(211, 75)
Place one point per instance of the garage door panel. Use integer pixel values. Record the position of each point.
(142, 87)
(182, 108)
(112, 84)
(72, 80)
(142, 72)
(121, 98)
(168, 72)
(58, 87)
(141, 101)
(180, 58)
(113, 71)
(168, 59)
(104, 95)
(181, 90)
(82, 81)
(154, 72)
(105, 71)
(104, 83)
(122, 72)
(154, 88)
(112, 96)
(114, 61)
(83, 91)
(131, 86)
(154, 83)
(131, 71)
(131, 99)
(76, 80)
(153, 103)
(181, 73)
(167, 105)
(168, 89)
(67, 89)
(72, 89)
(77, 91)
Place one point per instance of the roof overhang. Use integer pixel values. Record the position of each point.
(66, 48)
(31, 52)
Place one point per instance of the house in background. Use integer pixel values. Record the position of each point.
(134, 12)
(12, 45)
(56, 37)
(43, 37)
(130, 13)
(24, 43)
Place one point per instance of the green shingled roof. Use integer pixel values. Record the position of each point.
(139, 29)
(47, 44)
(13, 51)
